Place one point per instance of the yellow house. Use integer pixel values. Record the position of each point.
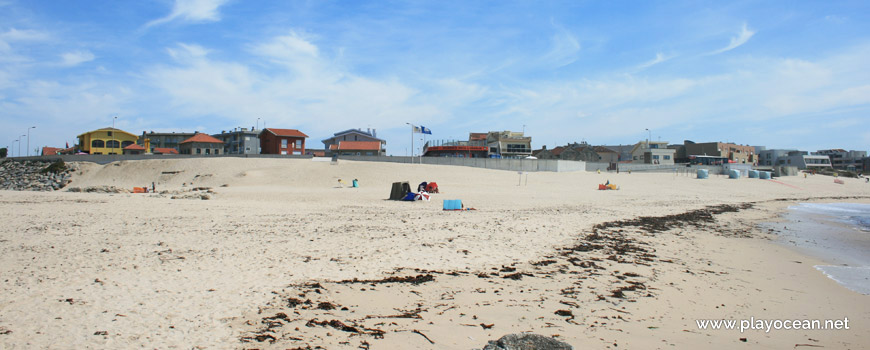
(106, 141)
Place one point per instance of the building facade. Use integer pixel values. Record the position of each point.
(282, 141)
(201, 144)
(508, 144)
(165, 139)
(369, 135)
(734, 153)
(105, 141)
(240, 141)
(475, 147)
(356, 148)
(843, 159)
(652, 152)
(789, 157)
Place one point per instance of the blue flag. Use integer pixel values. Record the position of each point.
(425, 130)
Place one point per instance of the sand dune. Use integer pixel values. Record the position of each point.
(144, 270)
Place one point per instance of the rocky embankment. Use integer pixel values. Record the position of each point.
(34, 175)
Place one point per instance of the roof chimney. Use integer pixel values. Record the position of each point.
(374, 133)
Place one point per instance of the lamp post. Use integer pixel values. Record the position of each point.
(258, 124)
(412, 142)
(113, 133)
(28, 139)
(12, 154)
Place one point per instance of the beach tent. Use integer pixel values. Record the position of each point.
(400, 189)
(753, 174)
(452, 204)
(703, 173)
(733, 174)
(432, 187)
(765, 175)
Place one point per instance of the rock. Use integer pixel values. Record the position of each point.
(526, 341)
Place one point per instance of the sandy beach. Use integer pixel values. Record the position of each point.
(282, 256)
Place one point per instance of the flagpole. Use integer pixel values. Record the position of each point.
(412, 142)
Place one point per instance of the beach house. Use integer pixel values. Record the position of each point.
(508, 144)
(164, 139)
(652, 152)
(356, 148)
(282, 141)
(201, 144)
(105, 141)
(795, 158)
(240, 141)
(369, 135)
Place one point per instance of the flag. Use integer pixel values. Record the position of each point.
(416, 129)
(67, 144)
(425, 130)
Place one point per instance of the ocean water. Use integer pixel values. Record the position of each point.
(837, 233)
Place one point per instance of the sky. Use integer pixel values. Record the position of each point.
(781, 74)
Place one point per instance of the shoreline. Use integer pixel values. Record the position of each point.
(149, 270)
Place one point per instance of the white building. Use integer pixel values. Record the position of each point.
(652, 152)
(790, 157)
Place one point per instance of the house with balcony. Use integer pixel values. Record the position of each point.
(164, 139)
(843, 159)
(508, 144)
(240, 141)
(652, 152)
(790, 157)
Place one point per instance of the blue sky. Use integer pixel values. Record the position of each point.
(783, 74)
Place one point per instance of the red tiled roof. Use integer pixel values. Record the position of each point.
(203, 138)
(135, 147)
(50, 151)
(333, 147)
(557, 151)
(286, 132)
(165, 150)
(359, 145)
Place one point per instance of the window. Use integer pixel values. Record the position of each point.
(635, 157)
(247, 148)
(126, 143)
(109, 133)
(198, 151)
(284, 143)
(112, 144)
(656, 156)
(667, 157)
(98, 144)
(298, 143)
(208, 151)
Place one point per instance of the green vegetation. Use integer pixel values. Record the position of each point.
(56, 167)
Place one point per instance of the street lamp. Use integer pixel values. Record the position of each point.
(113, 133)
(28, 139)
(258, 124)
(12, 154)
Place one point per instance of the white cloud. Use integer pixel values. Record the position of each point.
(192, 11)
(565, 47)
(23, 35)
(659, 59)
(740, 39)
(76, 57)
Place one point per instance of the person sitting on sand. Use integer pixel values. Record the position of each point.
(422, 186)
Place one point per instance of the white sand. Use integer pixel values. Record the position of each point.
(155, 272)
